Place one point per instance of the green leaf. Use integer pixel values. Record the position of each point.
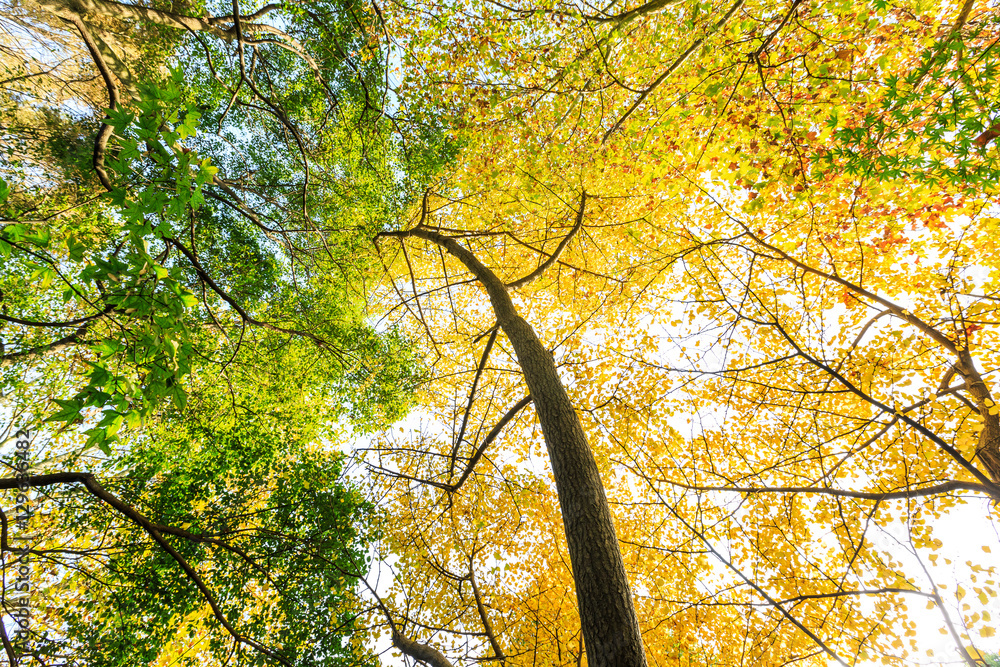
(69, 411)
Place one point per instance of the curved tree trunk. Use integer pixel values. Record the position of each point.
(607, 614)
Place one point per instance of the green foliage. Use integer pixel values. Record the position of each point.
(168, 278)
(926, 125)
(265, 516)
(198, 336)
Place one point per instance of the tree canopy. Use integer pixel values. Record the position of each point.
(692, 306)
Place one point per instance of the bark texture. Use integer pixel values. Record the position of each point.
(42, 350)
(988, 447)
(607, 614)
(418, 651)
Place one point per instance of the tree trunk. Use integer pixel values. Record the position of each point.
(988, 447)
(607, 614)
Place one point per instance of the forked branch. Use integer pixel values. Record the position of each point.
(554, 257)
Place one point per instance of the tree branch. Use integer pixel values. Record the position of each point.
(7, 646)
(490, 437)
(101, 142)
(989, 135)
(247, 317)
(94, 487)
(418, 651)
(988, 446)
(481, 608)
(42, 350)
(472, 396)
(840, 493)
(520, 282)
(670, 70)
(642, 10)
(122, 11)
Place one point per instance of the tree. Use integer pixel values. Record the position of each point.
(721, 209)
(194, 315)
(594, 511)
(222, 535)
(610, 626)
(176, 244)
(706, 206)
